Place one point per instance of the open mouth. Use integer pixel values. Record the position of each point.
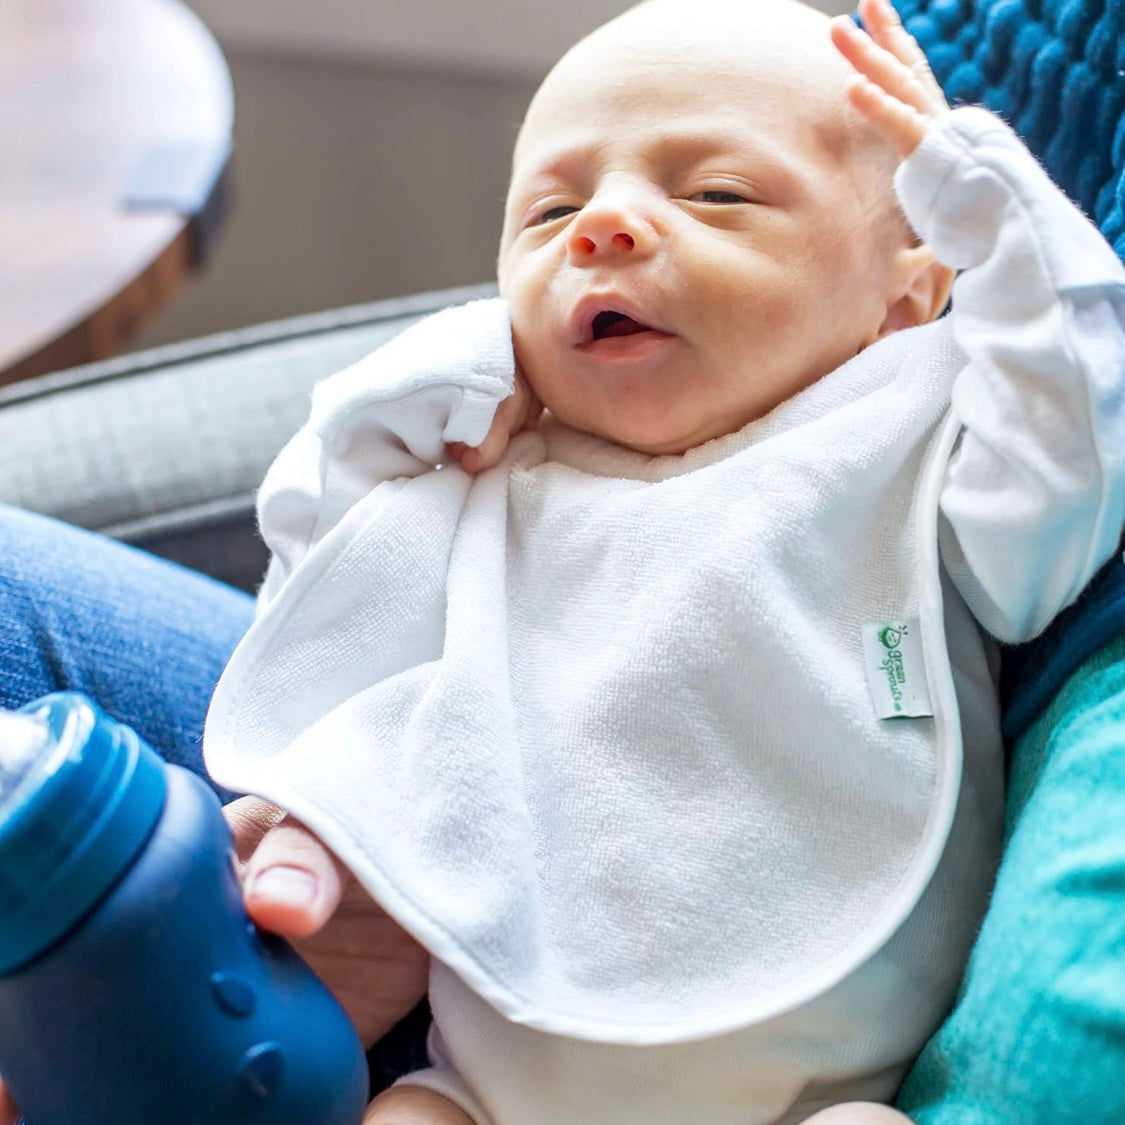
(608, 324)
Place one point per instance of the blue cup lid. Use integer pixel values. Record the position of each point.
(79, 797)
(24, 742)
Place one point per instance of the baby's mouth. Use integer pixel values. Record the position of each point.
(602, 324)
(609, 323)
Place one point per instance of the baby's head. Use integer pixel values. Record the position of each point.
(699, 225)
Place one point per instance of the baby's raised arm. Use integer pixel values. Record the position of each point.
(1033, 496)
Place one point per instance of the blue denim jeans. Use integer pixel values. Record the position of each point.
(146, 640)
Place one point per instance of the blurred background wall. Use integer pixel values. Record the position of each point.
(372, 145)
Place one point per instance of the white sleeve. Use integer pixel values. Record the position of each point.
(389, 416)
(1034, 496)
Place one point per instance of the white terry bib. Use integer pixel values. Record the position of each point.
(596, 727)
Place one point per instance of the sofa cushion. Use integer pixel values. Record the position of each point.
(166, 448)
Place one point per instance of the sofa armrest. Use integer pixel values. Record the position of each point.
(166, 448)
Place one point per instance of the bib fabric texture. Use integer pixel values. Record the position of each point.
(576, 741)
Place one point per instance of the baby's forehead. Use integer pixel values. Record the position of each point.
(686, 106)
(787, 39)
(773, 60)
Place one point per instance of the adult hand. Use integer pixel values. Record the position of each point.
(519, 412)
(9, 1112)
(894, 87)
(295, 887)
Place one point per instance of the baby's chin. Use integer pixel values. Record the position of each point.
(651, 438)
(657, 424)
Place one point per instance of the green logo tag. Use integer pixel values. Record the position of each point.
(896, 669)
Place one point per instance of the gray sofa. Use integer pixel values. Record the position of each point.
(165, 448)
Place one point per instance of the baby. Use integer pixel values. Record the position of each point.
(629, 637)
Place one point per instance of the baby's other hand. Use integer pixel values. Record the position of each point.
(858, 1113)
(894, 87)
(519, 412)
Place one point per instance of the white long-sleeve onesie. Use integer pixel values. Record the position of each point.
(686, 769)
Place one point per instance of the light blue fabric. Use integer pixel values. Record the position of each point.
(1038, 1033)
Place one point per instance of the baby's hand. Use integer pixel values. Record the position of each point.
(519, 412)
(895, 88)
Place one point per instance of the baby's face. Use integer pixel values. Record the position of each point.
(692, 234)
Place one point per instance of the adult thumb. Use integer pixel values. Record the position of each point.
(292, 884)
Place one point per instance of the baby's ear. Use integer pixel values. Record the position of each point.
(919, 289)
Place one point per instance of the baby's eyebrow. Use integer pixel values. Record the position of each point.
(673, 149)
(693, 145)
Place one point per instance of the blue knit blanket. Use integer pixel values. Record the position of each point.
(1055, 69)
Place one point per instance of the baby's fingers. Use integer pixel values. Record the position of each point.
(520, 411)
(884, 69)
(885, 90)
(885, 28)
(475, 459)
(902, 126)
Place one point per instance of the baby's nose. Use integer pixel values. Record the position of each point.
(621, 240)
(610, 228)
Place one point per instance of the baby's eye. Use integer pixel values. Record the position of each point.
(553, 213)
(717, 197)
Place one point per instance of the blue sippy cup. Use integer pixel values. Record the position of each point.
(134, 990)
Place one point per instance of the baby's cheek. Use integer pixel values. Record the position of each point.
(532, 362)
(524, 350)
